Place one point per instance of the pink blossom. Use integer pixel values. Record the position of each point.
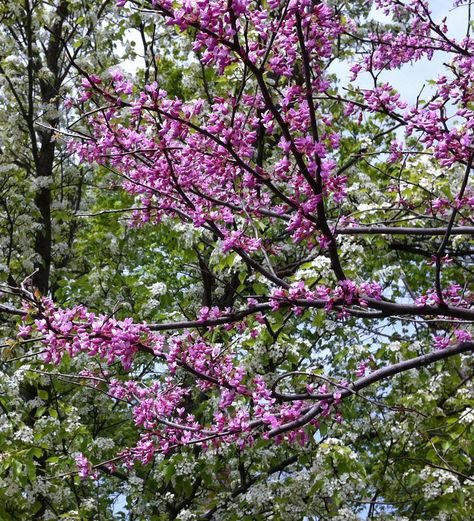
(24, 331)
(84, 467)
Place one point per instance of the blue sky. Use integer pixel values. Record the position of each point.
(410, 79)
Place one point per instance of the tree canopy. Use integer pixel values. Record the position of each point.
(237, 285)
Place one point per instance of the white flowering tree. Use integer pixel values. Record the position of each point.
(274, 268)
(43, 191)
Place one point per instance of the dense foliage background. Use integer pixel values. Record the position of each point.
(398, 450)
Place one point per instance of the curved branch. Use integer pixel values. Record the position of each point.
(395, 230)
(376, 376)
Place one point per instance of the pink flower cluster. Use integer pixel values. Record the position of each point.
(442, 205)
(346, 293)
(182, 160)
(77, 330)
(267, 158)
(247, 406)
(85, 468)
(450, 137)
(458, 335)
(454, 295)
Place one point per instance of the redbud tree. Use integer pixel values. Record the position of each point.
(324, 204)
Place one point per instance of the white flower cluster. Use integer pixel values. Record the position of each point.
(158, 288)
(348, 436)
(275, 352)
(40, 182)
(467, 359)
(344, 514)
(72, 515)
(71, 423)
(467, 418)
(34, 403)
(135, 481)
(89, 504)
(185, 467)
(394, 347)
(187, 233)
(359, 350)
(151, 305)
(24, 434)
(169, 496)
(48, 427)
(294, 492)
(438, 482)
(465, 393)
(459, 241)
(101, 445)
(10, 384)
(345, 485)
(351, 247)
(8, 487)
(186, 515)
(256, 498)
(318, 267)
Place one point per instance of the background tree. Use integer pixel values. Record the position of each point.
(276, 237)
(43, 235)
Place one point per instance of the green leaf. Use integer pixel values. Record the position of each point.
(43, 394)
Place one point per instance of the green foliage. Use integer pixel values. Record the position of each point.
(405, 448)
